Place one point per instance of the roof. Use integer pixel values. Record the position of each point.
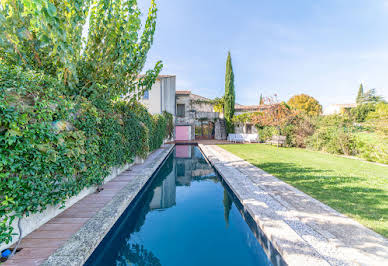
(183, 92)
(166, 76)
(344, 105)
(158, 77)
(201, 97)
(246, 107)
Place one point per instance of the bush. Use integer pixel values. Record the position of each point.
(266, 133)
(170, 124)
(53, 146)
(360, 113)
(333, 140)
(298, 129)
(372, 147)
(379, 118)
(334, 134)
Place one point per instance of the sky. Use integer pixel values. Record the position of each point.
(324, 48)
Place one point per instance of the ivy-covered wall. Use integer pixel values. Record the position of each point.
(53, 145)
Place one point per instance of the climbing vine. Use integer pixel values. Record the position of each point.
(53, 145)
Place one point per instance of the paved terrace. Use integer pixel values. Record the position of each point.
(71, 237)
(303, 230)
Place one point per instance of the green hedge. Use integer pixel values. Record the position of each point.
(53, 146)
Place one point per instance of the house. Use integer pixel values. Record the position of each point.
(242, 109)
(338, 108)
(247, 127)
(161, 97)
(195, 117)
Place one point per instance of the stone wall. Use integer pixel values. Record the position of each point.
(243, 129)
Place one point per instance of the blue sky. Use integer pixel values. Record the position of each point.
(324, 48)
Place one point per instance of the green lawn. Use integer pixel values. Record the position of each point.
(355, 188)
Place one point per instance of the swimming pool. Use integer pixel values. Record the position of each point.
(184, 216)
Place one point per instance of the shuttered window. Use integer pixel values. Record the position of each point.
(180, 110)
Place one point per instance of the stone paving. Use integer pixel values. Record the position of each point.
(303, 230)
(71, 237)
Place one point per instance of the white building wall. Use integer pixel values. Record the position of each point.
(168, 94)
(161, 96)
(153, 103)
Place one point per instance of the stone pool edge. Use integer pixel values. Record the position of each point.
(81, 245)
(243, 190)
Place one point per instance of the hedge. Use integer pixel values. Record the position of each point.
(54, 145)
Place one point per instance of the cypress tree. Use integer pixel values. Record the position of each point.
(360, 94)
(230, 95)
(261, 99)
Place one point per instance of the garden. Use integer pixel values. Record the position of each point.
(361, 131)
(356, 188)
(326, 156)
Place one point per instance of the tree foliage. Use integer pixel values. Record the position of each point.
(218, 104)
(378, 119)
(46, 35)
(230, 96)
(261, 101)
(274, 113)
(62, 63)
(371, 97)
(306, 104)
(360, 94)
(361, 111)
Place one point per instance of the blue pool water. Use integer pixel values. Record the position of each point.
(184, 217)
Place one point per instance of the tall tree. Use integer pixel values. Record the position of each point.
(371, 97)
(360, 94)
(227, 206)
(107, 58)
(261, 99)
(230, 96)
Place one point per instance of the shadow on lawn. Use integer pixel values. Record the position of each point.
(346, 194)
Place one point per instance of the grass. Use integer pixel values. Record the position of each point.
(355, 188)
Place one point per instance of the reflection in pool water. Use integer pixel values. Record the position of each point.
(185, 217)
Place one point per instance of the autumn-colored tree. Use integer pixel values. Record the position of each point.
(306, 104)
(273, 113)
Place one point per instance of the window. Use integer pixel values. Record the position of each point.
(180, 110)
(146, 95)
(249, 129)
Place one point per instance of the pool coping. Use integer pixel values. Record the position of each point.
(303, 230)
(81, 245)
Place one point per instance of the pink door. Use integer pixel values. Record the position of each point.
(182, 133)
